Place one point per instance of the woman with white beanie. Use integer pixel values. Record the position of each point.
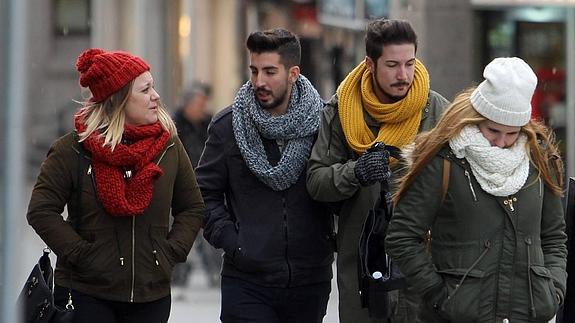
(484, 189)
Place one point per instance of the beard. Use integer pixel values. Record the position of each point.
(276, 100)
(393, 98)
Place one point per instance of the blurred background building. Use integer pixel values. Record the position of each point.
(203, 40)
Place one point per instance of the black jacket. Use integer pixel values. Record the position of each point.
(193, 136)
(271, 238)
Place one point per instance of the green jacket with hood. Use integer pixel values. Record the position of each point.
(492, 258)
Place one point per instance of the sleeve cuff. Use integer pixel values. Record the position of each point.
(229, 238)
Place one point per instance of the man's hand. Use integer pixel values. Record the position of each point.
(372, 167)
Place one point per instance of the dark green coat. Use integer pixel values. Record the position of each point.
(119, 258)
(331, 178)
(493, 257)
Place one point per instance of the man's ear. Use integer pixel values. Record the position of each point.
(293, 74)
(370, 64)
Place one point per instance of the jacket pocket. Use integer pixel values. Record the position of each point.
(245, 263)
(544, 302)
(162, 255)
(99, 263)
(463, 294)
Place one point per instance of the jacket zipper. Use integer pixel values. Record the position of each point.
(119, 247)
(155, 247)
(133, 259)
(329, 138)
(164, 153)
(286, 238)
(509, 202)
(134, 239)
(470, 185)
(540, 187)
(155, 253)
(531, 302)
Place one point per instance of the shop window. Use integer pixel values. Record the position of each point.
(542, 44)
(71, 17)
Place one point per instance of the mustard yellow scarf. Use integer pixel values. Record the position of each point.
(399, 121)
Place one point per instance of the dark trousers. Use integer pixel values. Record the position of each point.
(246, 302)
(88, 309)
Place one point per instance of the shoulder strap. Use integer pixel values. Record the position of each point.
(445, 182)
(80, 177)
(444, 186)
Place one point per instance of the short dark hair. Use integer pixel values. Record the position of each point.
(383, 32)
(279, 40)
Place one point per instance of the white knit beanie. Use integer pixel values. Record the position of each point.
(505, 94)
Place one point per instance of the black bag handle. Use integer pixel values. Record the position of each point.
(76, 221)
(78, 207)
(80, 175)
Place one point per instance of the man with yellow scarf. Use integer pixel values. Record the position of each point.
(386, 98)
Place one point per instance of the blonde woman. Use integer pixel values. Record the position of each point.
(487, 183)
(121, 173)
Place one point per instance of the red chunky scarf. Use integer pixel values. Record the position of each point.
(119, 196)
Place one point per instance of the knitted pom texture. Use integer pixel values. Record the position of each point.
(104, 73)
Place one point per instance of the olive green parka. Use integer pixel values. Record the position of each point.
(331, 178)
(118, 258)
(492, 258)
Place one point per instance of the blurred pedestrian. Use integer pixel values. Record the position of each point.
(487, 182)
(277, 240)
(121, 173)
(192, 120)
(386, 98)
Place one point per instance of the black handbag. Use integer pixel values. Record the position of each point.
(377, 273)
(36, 300)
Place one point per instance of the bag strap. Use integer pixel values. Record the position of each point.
(80, 183)
(444, 188)
(445, 181)
(78, 208)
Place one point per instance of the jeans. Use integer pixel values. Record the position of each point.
(243, 301)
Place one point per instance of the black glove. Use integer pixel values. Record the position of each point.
(372, 167)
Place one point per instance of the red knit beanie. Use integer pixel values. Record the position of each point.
(107, 72)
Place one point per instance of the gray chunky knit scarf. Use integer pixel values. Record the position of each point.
(297, 128)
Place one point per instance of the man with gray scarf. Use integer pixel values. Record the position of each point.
(278, 242)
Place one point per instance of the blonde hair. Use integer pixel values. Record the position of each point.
(108, 117)
(543, 152)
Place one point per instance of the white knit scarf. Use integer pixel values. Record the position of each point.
(499, 171)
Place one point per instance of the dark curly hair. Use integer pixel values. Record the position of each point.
(383, 32)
